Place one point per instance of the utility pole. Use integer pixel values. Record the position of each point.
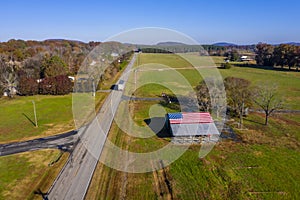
(34, 111)
(135, 79)
(94, 89)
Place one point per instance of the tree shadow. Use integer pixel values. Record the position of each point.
(180, 103)
(29, 119)
(249, 120)
(43, 195)
(266, 67)
(157, 125)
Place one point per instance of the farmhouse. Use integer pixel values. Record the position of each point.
(191, 127)
(245, 58)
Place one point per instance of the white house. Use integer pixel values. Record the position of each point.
(245, 58)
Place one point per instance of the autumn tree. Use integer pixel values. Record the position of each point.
(264, 54)
(234, 55)
(281, 55)
(287, 55)
(58, 85)
(267, 98)
(53, 66)
(63, 85)
(238, 95)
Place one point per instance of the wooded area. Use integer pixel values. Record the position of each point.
(44, 67)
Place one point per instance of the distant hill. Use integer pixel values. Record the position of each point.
(170, 44)
(224, 44)
(293, 43)
(289, 43)
(63, 40)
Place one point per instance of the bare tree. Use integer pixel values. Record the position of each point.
(203, 97)
(238, 95)
(211, 96)
(266, 97)
(8, 78)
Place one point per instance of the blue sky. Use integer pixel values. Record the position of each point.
(236, 21)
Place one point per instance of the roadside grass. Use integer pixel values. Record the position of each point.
(24, 173)
(171, 60)
(109, 183)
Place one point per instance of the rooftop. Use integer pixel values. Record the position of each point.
(191, 124)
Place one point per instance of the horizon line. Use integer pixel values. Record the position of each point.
(217, 42)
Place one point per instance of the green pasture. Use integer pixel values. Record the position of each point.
(152, 69)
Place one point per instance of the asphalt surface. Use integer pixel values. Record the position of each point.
(132, 98)
(63, 141)
(74, 179)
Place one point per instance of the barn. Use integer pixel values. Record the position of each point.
(193, 127)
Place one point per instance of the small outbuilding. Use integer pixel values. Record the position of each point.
(191, 127)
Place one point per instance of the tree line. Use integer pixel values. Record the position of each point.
(204, 50)
(46, 76)
(283, 55)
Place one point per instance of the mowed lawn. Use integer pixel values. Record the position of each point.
(54, 116)
(180, 60)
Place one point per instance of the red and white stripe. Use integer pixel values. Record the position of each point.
(193, 118)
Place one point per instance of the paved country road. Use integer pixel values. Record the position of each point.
(63, 141)
(74, 179)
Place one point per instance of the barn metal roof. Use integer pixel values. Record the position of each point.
(179, 130)
(191, 124)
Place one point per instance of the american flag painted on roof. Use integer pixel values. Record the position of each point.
(189, 118)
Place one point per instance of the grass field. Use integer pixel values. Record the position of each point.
(288, 82)
(263, 165)
(54, 114)
(180, 60)
(24, 173)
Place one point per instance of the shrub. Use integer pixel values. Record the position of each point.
(63, 85)
(227, 66)
(58, 85)
(28, 86)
